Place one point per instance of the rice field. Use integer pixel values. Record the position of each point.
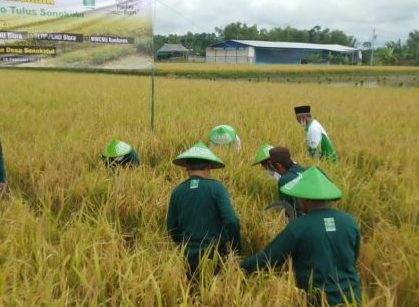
(333, 75)
(286, 69)
(72, 233)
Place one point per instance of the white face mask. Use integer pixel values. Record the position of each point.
(273, 174)
(303, 122)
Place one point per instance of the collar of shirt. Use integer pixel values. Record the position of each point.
(197, 177)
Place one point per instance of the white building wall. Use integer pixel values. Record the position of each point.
(230, 55)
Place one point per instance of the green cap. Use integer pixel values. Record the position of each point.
(116, 148)
(312, 184)
(262, 154)
(199, 152)
(222, 135)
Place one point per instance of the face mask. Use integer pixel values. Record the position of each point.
(303, 122)
(273, 174)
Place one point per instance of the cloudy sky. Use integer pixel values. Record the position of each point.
(392, 19)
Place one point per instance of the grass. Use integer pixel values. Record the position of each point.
(74, 234)
(332, 75)
(94, 57)
(282, 68)
(285, 72)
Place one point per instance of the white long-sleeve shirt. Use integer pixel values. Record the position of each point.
(318, 142)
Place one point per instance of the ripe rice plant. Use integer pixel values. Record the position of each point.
(263, 72)
(74, 233)
(281, 68)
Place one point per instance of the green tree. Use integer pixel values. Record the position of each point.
(399, 51)
(314, 34)
(386, 56)
(339, 37)
(196, 42)
(335, 58)
(412, 46)
(324, 36)
(238, 30)
(313, 58)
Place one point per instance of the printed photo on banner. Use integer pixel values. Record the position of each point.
(81, 34)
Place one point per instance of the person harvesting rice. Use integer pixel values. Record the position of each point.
(200, 214)
(323, 244)
(318, 142)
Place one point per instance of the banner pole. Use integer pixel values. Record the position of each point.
(153, 19)
(152, 100)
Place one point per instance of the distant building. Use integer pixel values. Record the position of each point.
(264, 52)
(172, 52)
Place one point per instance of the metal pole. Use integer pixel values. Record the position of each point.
(152, 102)
(152, 99)
(374, 36)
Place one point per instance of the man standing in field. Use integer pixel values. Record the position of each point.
(200, 214)
(3, 183)
(323, 244)
(318, 143)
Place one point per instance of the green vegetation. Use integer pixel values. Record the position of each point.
(396, 53)
(94, 57)
(349, 75)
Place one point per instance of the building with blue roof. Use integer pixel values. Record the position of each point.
(266, 52)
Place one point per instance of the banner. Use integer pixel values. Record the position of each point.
(76, 34)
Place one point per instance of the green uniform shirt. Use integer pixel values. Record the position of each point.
(2, 169)
(318, 142)
(324, 246)
(200, 213)
(291, 174)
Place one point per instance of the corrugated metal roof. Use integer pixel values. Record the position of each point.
(267, 44)
(173, 48)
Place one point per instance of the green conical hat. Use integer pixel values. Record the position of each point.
(116, 148)
(199, 152)
(222, 135)
(312, 184)
(262, 154)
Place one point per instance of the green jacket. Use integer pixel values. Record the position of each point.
(291, 174)
(324, 247)
(200, 213)
(2, 169)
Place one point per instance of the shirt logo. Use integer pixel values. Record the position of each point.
(194, 184)
(329, 224)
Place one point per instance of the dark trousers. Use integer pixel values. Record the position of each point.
(194, 260)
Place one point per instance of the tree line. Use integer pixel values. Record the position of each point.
(393, 53)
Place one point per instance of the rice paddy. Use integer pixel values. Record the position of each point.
(73, 233)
